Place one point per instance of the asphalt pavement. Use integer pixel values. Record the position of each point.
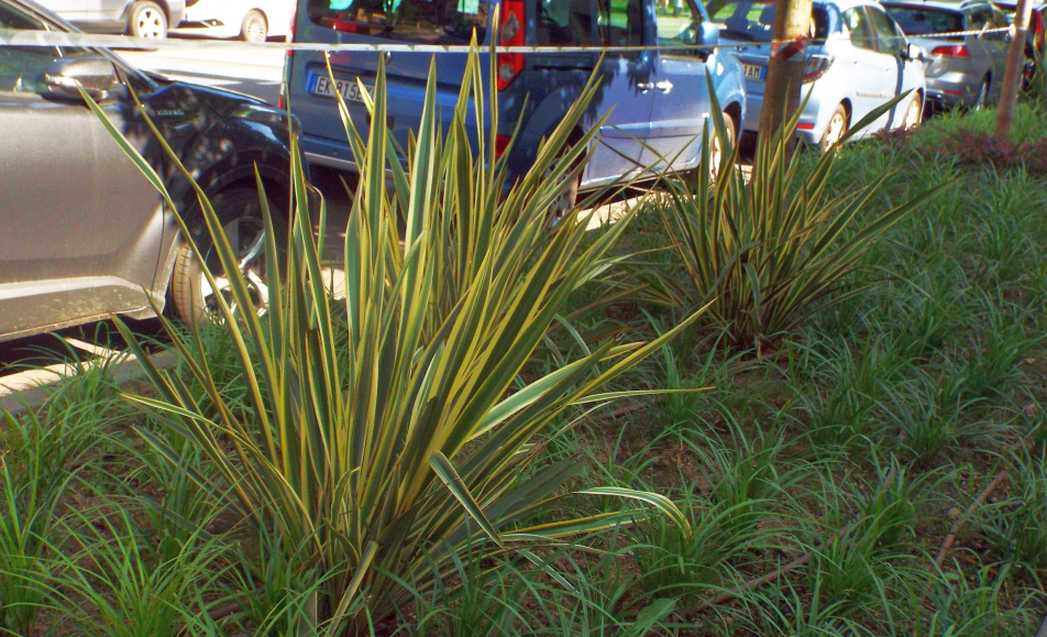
(253, 71)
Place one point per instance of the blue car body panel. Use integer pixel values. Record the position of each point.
(651, 104)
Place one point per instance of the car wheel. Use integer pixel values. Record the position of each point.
(718, 147)
(836, 128)
(982, 100)
(194, 298)
(254, 28)
(147, 20)
(914, 115)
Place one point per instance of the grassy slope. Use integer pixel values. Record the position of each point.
(849, 453)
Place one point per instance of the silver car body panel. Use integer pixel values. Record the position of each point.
(957, 81)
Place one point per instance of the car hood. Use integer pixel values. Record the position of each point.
(222, 103)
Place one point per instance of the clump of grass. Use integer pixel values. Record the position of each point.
(1014, 525)
(41, 454)
(865, 552)
(117, 584)
(743, 511)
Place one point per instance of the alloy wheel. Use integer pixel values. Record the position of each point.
(150, 23)
(247, 238)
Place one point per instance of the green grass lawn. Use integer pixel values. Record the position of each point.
(822, 480)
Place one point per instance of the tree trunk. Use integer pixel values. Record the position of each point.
(1013, 74)
(781, 96)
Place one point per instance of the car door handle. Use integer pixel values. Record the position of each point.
(665, 86)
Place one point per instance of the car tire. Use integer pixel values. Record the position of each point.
(837, 127)
(191, 295)
(147, 19)
(914, 114)
(254, 27)
(716, 146)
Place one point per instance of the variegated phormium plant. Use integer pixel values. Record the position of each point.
(390, 430)
(764, 250)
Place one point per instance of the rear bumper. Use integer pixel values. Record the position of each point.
(811, 117)
(952, 90)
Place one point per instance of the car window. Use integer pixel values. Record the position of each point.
(678, 24)
(566, 22)
(422, 21)
(979, 18)
(22, 67)
(888, 37)
(753, 20)
(621, 24)
(589, 22)
(916, 20)
(858, 28)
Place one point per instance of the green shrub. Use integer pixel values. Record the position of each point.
(385, 435)
(767, 251)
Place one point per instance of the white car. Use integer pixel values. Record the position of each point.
(249, 20)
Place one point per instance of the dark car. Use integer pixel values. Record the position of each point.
(83, 234)
(1035, 37)
(140, 18)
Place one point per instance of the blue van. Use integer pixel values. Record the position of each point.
(658, 98)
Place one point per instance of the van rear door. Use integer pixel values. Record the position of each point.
(441, 22)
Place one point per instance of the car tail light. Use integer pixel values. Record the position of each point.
(815, 67)
(501, 144)
(952, 51)
(511, 25)
(805, 126)
(1038, 29)
(281, 100)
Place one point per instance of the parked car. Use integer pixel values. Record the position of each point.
(858, 60)
(249, 20)
(658, 100)
(964, 70)
(84, 234)
(1035, 38)
(140, 18)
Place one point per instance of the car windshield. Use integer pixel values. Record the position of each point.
(923, 20)
(754, 21)
(423, 21)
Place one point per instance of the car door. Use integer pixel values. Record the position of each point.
(681, 96)
(890, 48)
(983, 49)
(867, 70)
(81, 228)
(624, 98)
(998, 43)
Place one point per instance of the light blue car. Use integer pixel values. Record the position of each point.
(857, 59)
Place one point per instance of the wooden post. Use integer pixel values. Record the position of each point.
(1013, 75)
(792, 27)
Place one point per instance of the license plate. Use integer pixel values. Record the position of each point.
(348, 88)
(751, 71)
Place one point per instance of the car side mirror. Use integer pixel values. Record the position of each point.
(95, 75)
(914, 52)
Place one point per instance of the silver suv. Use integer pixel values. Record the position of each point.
(962, 70)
